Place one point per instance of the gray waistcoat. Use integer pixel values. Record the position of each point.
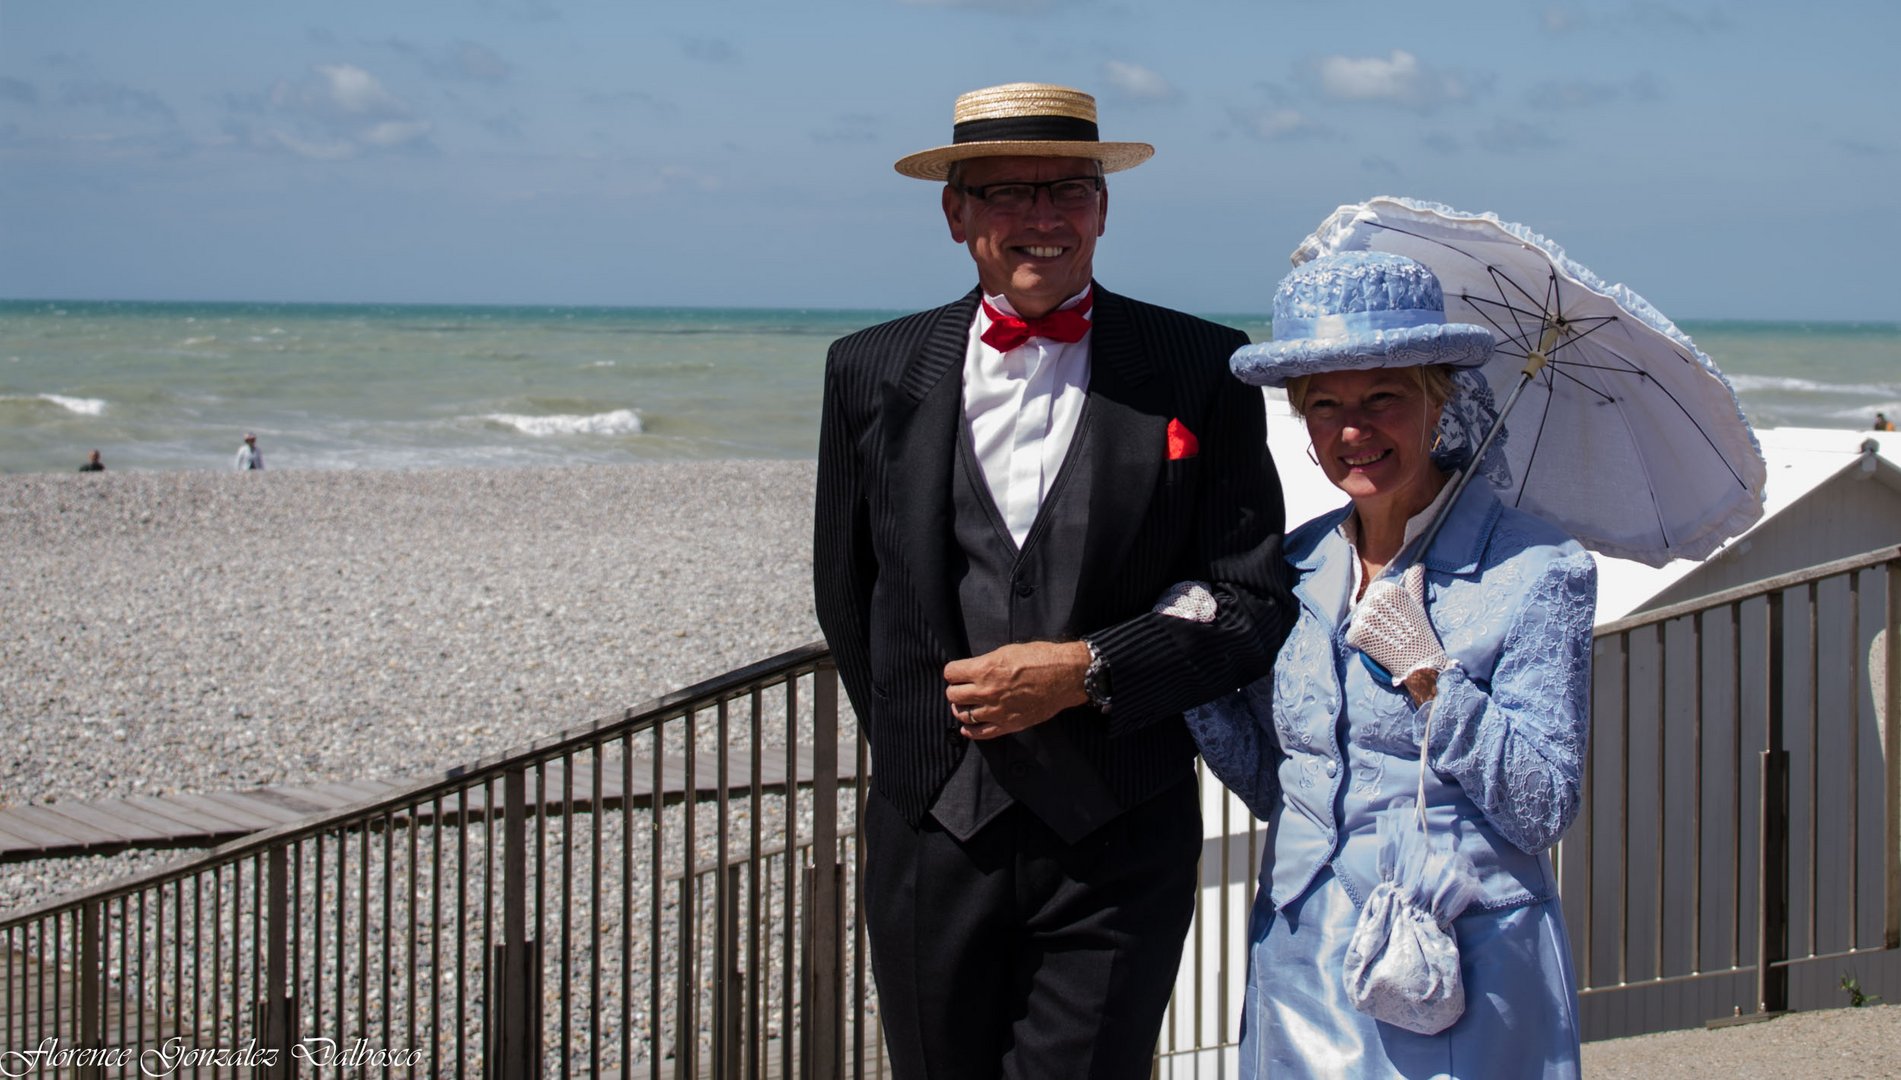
(1009, 595)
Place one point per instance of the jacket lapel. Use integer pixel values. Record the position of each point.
(921, 413)
(1323, 574)
(1127, 429)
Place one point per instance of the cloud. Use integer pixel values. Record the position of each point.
(117, 99)
(394, 132)
(340, 111)
(1374, 163)
(1400, 78)
(1586, 94)
(1861, 149)
(1135, 83)
(18, 90)
(1441, 143)
(1274, 123)
(709, 50)
(345, 89)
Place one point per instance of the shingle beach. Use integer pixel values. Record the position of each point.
(206, 631)
(170, 632)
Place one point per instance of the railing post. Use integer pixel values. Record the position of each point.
(1890, 713)
(686, 1044)
(1772, 894)
(514, 1001)
(92, 1032)
(824, 1043)
(277, 1012)
(728, 983)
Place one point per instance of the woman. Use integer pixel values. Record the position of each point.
(1327, 745)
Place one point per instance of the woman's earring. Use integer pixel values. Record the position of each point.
(1311, 456)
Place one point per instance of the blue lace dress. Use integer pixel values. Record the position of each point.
(1321, 748)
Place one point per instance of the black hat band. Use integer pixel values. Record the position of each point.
(1026, 129)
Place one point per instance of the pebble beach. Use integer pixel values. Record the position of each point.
(209, 631)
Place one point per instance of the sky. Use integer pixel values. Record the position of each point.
(1725, 160)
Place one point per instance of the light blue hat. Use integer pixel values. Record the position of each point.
(1356, 310)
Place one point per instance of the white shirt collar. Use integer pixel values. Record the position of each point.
(1002, 303)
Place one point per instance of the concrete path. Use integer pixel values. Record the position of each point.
(1832, 1043)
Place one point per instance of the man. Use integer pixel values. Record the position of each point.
(249, 456)
(93, 464)
(1036, 544)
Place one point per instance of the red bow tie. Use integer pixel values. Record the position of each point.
(1007, 331)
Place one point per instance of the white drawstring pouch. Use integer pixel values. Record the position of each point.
(1402, 964)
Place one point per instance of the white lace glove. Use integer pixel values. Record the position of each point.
(1391, 627)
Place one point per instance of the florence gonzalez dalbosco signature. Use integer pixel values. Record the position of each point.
(175, 1054)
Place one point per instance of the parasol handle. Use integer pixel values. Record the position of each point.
(1534, 362)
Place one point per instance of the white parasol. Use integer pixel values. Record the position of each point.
(1623, 433)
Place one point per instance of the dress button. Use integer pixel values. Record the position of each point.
(1025, 589)
(1333, 767)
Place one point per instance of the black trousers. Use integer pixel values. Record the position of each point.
(1018, 956)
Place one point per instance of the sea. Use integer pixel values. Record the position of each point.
(365, 386)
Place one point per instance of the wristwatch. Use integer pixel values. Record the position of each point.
(1096, 678)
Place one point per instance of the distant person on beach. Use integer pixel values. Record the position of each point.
(1006, 484)
(1882, 423)
(249, 456)
(93, 464)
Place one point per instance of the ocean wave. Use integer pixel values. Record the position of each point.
(618, 422)
(79, 405)
(1788, 384)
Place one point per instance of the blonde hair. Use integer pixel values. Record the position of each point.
(1433, 380)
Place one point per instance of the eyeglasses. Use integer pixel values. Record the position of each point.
(1016, 196)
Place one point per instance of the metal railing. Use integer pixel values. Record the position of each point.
(660, 894)
(1743, 797)
(670, 892)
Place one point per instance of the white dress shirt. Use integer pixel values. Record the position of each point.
(1022, 407)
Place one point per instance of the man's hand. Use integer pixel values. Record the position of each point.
(1015, 687)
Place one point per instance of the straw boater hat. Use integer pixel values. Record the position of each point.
(1357, 310)
(1024, 120)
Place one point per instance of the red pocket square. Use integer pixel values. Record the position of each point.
(1181, 441)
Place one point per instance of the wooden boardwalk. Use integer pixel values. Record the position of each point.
(43, 1001)
(107, 826)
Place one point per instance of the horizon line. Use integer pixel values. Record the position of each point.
(567, 306)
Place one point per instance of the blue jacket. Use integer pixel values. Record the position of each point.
(1513, 600)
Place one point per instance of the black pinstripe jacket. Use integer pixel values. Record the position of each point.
(881, 556)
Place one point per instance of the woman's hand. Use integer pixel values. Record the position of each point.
(1422, 684)
(1391, 626)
